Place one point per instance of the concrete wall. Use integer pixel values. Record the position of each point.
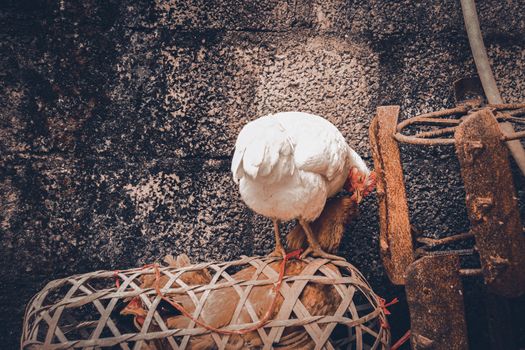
(118, 120)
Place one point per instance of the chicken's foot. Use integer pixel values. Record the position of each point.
(314, 249)
(279, 250)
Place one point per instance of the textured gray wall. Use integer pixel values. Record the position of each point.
(118, 120)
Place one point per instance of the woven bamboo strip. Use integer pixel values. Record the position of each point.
(54, 318)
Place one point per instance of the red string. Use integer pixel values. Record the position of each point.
(255, 327)
(117, 280)
(294, 255)
(401, 341)
(384, 306)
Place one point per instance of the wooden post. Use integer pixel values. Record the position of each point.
(491, 203)
(395, 239)
(435, 299)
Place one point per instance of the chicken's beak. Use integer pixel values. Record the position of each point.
(359, 192)
(358, 195)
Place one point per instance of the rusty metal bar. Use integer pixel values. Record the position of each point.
(471, 272)
(505, 112)
(515, 112)
(395, 240)
(412, 140)
(437, 132)
(513, 136)
(506, 106)
(438, 121)
(492, 203)
(462, 109)
(433, 242)
(435, 300)
(422, 252)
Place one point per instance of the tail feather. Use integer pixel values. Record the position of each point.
(263, 151)
(253, 158)
(236, 167)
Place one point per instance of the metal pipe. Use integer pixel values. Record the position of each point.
(486, 76)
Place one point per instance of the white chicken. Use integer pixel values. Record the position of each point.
(287, 165)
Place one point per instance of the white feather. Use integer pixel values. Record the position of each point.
(288, 164)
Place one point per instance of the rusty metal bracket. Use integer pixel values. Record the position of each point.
(453, 117)
(435, 299)
(492, 203)
(395, 238)
(433, 278)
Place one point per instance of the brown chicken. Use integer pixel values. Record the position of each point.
(329, 227)
(135, 307)
(220, 305)
(318, 299)
(338, 212)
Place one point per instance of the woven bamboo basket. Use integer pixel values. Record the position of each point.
(320, 304)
